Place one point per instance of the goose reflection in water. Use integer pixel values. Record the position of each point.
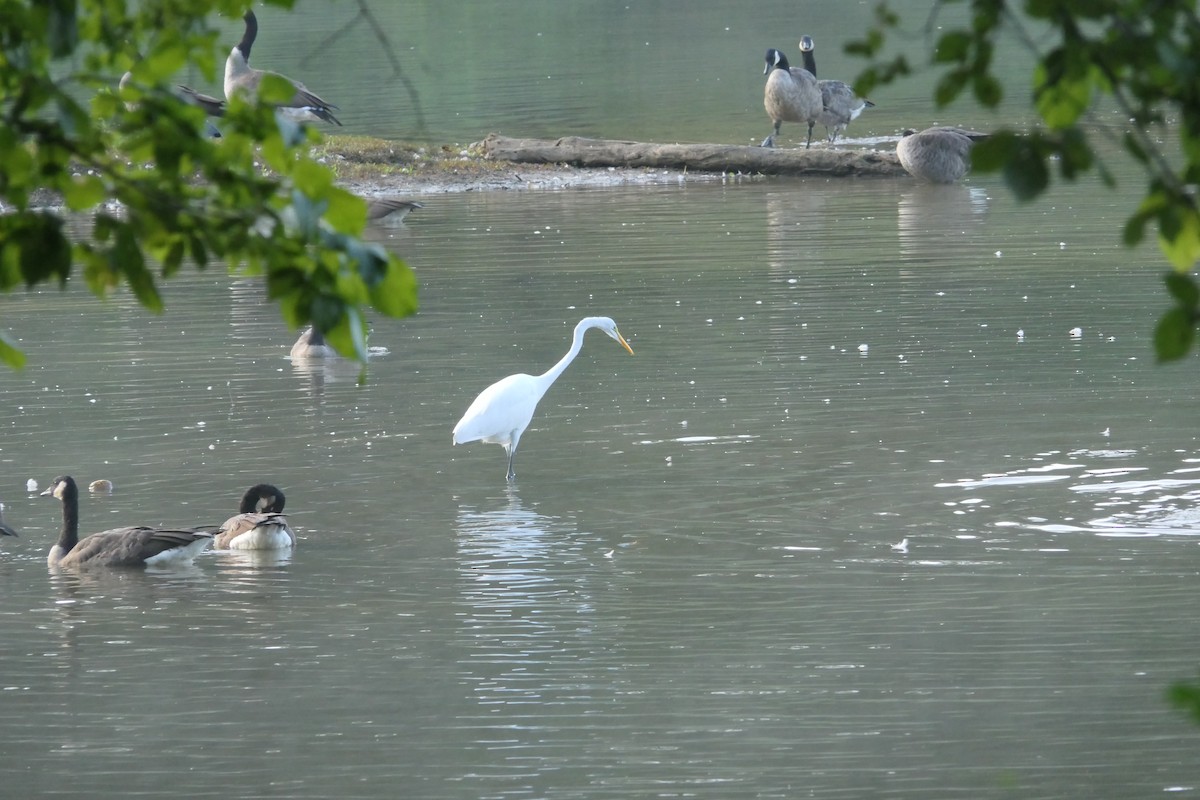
(507, 544)
(928, 215)
(528, 633)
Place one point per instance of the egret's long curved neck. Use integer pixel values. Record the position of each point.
(551, 375)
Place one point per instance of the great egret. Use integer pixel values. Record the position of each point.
(791, 95)
(502, 411)
(841, 104)
(241, 77)
(119, 547)
(259, 524)
(937, 155)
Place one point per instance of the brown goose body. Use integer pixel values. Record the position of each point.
(119, 547)
(311, 344)
(389, 209)
(791, 95)
(260, 523)
(5, 530)
(209, 104)
(241, 78)
(839, 104)
(937, 155)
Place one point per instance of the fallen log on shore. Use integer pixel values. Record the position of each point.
(583, 152)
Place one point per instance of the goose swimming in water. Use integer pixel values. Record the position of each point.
(311, 344)
(4, 529)
(259, 524)
(937, 155)
(118, 547)
(389, 209)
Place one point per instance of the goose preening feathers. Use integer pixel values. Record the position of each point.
(937, 155)
(209, 104)
(118, 547)
(259, 523)
(389, 210)
(241, 78)
(311, 344)
(791, 95)
(839, 104)
(502, 411)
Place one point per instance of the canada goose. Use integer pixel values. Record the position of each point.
(260, 523)
(840, 105)
(311, 344)
(791, 95)
(241, 78)
(210, 105)
(4, 529)
(119, 547)
(937, 155)
(389, 209)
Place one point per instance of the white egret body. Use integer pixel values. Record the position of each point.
(502, 411)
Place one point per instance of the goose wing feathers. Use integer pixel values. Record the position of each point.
(133, 546)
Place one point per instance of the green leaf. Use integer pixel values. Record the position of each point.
(312, 178)
(953, 47)
(1179, 236)
(1186, 697)
(84, 192)
(9, 353)
(63, 28)
(347, 212)
(396, 294)
(950, 87)
(1025, 171)
(988, 90)
(1183, 288)
(1173, 335)
(1063, 99)
(163, 62)
(276, 89)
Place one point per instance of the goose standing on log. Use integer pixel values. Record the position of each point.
(840, 105)
(119, 547)
(937, 155)
(502, 411)
(260, 523)
(791, 95)
(240, 77)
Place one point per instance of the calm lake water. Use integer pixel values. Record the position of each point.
(692, 589)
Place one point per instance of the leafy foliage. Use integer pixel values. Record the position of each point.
(253, 197)
(1144, 55)
(1186, 697)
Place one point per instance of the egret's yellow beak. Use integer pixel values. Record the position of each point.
(624, 343)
